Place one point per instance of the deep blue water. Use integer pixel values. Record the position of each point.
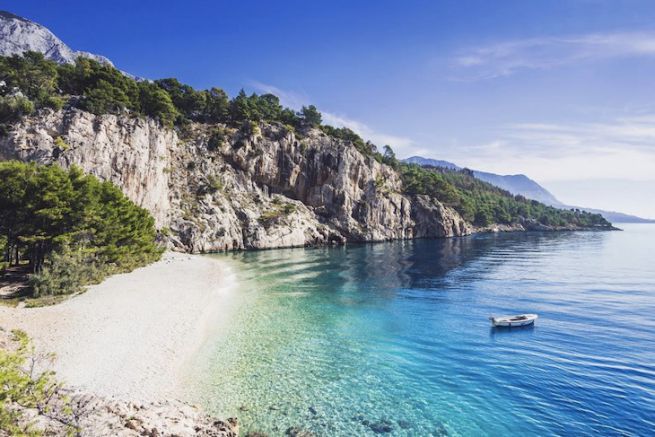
(395, 337)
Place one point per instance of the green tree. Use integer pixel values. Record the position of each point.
(217, 106)
(157, 103)
(240, 110)
(311, 116)
(45, 209)
(389, 157)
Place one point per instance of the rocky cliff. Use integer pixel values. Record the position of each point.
(213, 188)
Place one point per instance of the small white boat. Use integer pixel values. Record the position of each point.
(511, 321)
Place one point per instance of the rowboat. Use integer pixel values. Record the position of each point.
(511, 321)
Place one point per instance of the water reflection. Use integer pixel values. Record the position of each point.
(528, 331)
(397, 333)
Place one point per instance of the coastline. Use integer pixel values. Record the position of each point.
(133, 335)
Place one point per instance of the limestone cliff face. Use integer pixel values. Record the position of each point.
(261, 188)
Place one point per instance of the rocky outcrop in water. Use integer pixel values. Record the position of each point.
(213, 188)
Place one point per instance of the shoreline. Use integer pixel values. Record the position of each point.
(133, 335)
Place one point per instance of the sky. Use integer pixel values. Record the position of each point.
(562, 91)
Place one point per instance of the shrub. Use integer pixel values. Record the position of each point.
(12, 108)
(214, 184)
(250, 128)
(216, 139)
(279, 210)
(65, 272)
(21, 385)
(61, 144)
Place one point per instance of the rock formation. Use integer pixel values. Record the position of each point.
(19, 35)
(62, 411)
(213, 188)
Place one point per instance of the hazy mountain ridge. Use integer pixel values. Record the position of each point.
(522, 185)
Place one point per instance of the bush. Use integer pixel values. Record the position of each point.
(65, 272)
(61, 144)
(216, 139)
(214, 184)
(280, 209)
(21, 385)
(12, 108)
(250, 128)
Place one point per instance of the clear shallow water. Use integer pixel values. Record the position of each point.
(340, 341)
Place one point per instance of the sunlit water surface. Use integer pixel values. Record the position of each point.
(394, 337)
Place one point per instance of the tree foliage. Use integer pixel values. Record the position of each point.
(23, 386)
(483, 204)
(311, 116)
(46, 209)
(102, 89)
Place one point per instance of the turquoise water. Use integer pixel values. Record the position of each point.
(394, 337)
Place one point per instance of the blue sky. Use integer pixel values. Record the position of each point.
(559, 90)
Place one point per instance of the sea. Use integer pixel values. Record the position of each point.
(394, 338)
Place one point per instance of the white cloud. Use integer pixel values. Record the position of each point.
(290, 99)
(401, 145)
(378, 138)
(508, 57)
(617, 148)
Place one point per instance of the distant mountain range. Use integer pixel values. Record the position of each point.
(523, 185)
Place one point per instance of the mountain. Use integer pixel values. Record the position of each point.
(428, 162)
(243, 173)
(522, 185)
(19, 35)
(613, 216)
(515, 184)
(519, 184)
(223, 188)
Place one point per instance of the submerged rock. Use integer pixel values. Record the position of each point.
(441, 431)
(381, 427)
(295, 431)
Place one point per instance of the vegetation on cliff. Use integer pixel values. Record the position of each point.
(68, 228)
(30, 82)
(483, 204)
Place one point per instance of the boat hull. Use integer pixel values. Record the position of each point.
(511, 322)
